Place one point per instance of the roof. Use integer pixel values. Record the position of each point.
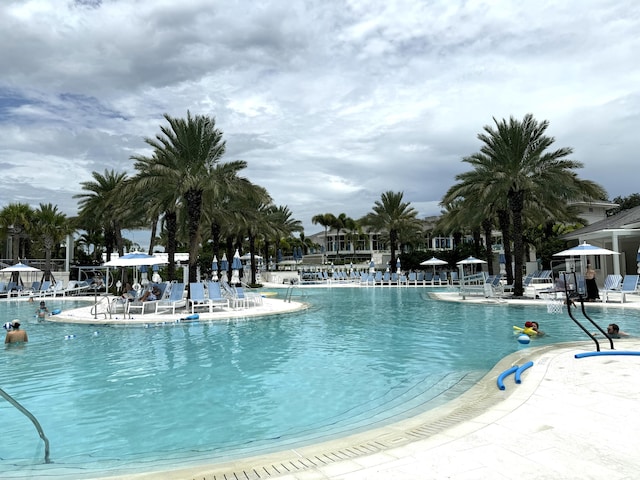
(625, 220)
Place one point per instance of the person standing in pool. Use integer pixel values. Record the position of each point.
(15, 335)
(42, 311)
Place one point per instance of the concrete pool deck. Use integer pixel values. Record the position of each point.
(570, 418)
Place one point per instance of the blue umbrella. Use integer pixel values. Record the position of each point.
(279, 256)
(236, 264)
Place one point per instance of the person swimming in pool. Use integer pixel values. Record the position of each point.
(536, 327)
(15, 335)
(42, 311)
(613, 330)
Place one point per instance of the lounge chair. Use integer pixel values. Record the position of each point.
(197, 298)
(215, 296)
(174, 300)
(144, 305)
(612, 283)
(629, 285)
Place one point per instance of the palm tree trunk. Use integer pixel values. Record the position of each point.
(194, 210)
(487, 227)
(171, 223)
(516, 204)
(503, 221)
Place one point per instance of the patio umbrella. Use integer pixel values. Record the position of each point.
(638, 259)
(214, 269)
(398, 265)
(135, 259)
(247, 256)
(372, 266)
(502, 260)
(224, 267)
(20, 267)
(473, 261)
(17, 269)
(585, 249)
(156, 276)
(434, 261)
(236, 266)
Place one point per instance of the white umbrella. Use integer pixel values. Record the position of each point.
(434, 261)
(247, 256)
(17, 269)
(214, 269)
(224, 267)
(585, 249)
(470, 261)
(135, 259)
(20, 267)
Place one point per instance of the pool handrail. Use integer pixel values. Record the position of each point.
(33, 419)
(570, 295)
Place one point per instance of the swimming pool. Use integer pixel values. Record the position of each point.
(126, 399)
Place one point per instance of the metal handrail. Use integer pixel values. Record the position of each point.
(569, 300)
(33, 419)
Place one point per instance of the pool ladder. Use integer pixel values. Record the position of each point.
(33, 419)
(289, 293)
(572, 292)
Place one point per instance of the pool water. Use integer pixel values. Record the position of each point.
(127, 399)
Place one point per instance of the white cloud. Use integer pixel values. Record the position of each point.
(330, 103)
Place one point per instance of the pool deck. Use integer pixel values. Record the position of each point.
(569, 418)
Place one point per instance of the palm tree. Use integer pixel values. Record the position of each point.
(514, 163)
(15, 222)
(186, 153)
(51, 227)
(342, 222)
(326, 220)
(392, 215)
(106, 205)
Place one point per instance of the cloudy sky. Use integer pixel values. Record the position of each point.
(331, 102)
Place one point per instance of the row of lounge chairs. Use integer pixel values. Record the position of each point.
(44, 289)
(201, 296)
(384, 278)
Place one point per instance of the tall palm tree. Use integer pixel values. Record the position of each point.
(326, 220)
(514, 163)
(51, 227)
(15, 222)
(105, 203)
(392, 215)
(186, 153)
(342, 222)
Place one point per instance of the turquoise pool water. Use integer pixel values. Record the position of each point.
(126, 399)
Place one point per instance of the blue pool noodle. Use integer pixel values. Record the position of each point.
(609, 352)
(521, 369)
(504, 374)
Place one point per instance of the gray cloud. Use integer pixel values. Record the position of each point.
(330, 103)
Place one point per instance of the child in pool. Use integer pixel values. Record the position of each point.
(42, 311)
